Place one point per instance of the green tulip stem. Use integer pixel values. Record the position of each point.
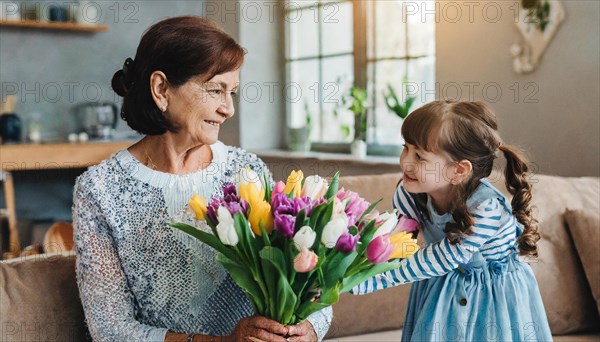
(263, 289)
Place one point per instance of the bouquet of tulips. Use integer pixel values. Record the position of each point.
(296, 247)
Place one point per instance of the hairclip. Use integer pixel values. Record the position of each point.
(128, 72)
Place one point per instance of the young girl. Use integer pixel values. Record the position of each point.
(470, 286)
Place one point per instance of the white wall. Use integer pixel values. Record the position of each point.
(561, 129)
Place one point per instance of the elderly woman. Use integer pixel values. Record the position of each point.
(140, 279)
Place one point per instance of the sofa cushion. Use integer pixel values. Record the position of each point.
(585, 231)
(567, 298)
(39, 300)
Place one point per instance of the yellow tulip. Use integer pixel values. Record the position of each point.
(251, 193)
(294, 183)
(260, 213)
(405, 245)
(198, 204)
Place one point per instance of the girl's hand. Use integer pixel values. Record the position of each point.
(303, 332)
(258, 328)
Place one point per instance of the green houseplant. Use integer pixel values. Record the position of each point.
(402, 109)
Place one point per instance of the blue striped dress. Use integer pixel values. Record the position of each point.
(476, 290)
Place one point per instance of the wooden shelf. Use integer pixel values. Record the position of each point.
(58, 155)
(47, 25)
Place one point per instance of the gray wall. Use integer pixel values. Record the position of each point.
(560, 129)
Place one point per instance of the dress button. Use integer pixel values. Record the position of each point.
(463, 302)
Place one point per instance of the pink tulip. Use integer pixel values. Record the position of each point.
(278, 188)
(305, 261)
(355, 207)
(379, 249)
(406, 224)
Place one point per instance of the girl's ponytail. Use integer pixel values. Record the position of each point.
(517, 185)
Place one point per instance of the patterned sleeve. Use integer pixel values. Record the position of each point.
(441, 257)
(404, 203)
(321, 321)
(106, 297)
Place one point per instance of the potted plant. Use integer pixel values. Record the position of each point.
(298, 138)
(357, 102)
(400, 108)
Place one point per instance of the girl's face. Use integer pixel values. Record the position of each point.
(199, 108)
(426, 172)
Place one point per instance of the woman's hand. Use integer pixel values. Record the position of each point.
(258, 328)
(303, 332)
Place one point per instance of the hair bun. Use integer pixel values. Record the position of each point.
(123, 79)
(118, 83)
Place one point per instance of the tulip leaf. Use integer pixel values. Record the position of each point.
(275, 256)
(265, 235)
(248, 244)
(209, 239)
(286, 301)
(244, 279)
(268, 190)
(369, 209)
(309, 307)
(269, 273)
(300, 220)
(363, 276)
(366, 236)
(330, 295)
(336, 267)
(333, 187)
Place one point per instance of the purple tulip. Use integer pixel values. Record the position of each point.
(284, 224)
(302, 203)
(212, 208)
(347, 243)
(356, 205)
(379, 250)
(230, 193)
(235, 207)
(282, 205)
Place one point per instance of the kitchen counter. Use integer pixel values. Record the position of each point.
(65, 155)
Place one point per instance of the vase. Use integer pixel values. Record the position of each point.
(359, 149)
(297, 139)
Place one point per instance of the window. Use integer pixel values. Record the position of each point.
(331, 46)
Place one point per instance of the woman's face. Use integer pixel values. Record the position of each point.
(199, 108)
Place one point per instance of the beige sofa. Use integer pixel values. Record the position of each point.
(39, 299)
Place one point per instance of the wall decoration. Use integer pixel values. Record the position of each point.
(538, 22)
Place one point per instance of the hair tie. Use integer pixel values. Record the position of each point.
(128, 72)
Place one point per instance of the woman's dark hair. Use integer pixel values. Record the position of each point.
(469, 130)
(182, 48)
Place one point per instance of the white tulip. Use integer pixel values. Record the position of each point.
(305, 238)
(250, 177)
(226, 228)
(390, 220)
(314, 187)
(339, 208)
(333, 230)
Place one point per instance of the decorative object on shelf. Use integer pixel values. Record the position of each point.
(357, 102)
(358, 148)
(10, 11)
(298, 138)
(97, 119)
(10, 123)
(538, 22)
